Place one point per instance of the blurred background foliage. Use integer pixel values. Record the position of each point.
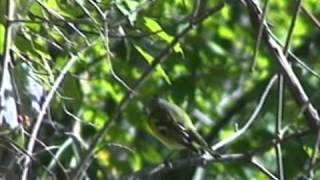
(209, 71)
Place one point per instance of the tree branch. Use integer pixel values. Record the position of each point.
(44, 107)
(251, 119)
(202, 161)
(293, 82)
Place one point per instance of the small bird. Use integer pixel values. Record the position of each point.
(174, 128)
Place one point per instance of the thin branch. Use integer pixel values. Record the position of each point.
(304, 65)
(291, 28)
(21, 150)
(47, 149)
(6, 58)
(251, 119)
(311, 16)
(263, 169)
(279, 125)
(184, 163)
(57, 15)
(236, 106)
(202, 161)
(314, 157)
(44, 107)
(105, 37)
(297, 90)
(95, 5)
(59, 152)
(57, 22)
(259, 37)
(281, 94)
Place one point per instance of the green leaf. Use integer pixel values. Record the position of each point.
(2, 34)
(226, 33)
(71, 91)
(154, 26)
(128, 8)
(3, 6)
(149, 58)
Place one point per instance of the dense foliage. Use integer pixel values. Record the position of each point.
(77, 77)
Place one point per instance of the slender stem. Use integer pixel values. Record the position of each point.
(148, 173)
(295, 86)
(314, 157)
(311, 16)
(6, 58)
(281, 94)
(278, 127)
(251, 119)
(42, 112)
(263, 169)
(259, 37)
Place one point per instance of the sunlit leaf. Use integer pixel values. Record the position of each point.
(156, 28)
(149, 58)
(2, 32)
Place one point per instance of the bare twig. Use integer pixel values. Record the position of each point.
(279, 125)
(42, 112)
(59, 152)
(105, 37)
(259, 37)
(300, 96)
(6, 59)
(314, 157)
(291, 28)
(311, 16)
(21, 150)
(183, 163)
(251, 119)
(47, 149)
(202, 161)
(281, 94)
(57, 15)
(236, 106)
(263, 169)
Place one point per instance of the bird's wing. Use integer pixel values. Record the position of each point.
(191, 138)
(182, 132)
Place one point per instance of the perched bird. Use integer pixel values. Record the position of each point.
(173, 127)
